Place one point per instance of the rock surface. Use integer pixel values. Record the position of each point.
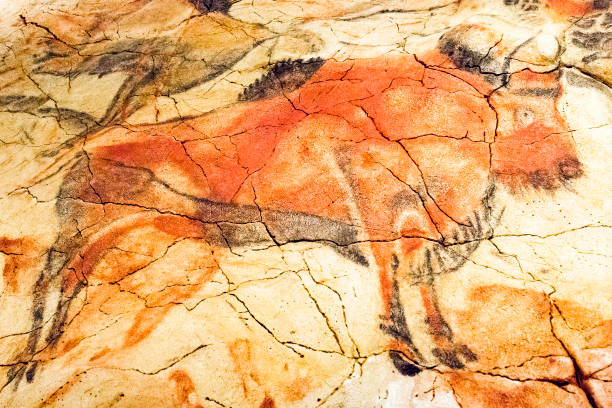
(306, 204)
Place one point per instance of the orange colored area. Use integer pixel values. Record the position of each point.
(278, 147)
(534, 146)
(251, 363)
(496, 314)
(474, 390)
(267, 403)
(403, 151)
(569, 8)
(184, 390)
(85, 267)
(20, 255)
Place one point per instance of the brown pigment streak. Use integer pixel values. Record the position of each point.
(21, 254)
(184, 390)
(268, 402)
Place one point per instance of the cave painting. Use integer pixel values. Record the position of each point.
(393, 162)
(228, 203)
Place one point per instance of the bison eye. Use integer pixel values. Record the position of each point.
(524, 116)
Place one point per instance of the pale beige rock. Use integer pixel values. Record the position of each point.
(195, 319)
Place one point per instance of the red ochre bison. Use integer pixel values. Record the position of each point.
(392, 161)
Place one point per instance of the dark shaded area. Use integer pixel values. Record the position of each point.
(440, 259)
(403, 366)
(603, 19)
(601, 4)
(567, 169)
(209, 6)
(268, 402)
(71, 120)
(450, 357)
(607, 21)
(126, 61)
(538, 92)
(352, 253)
(289, 226)
(542, 179)
(441, 329)
(579, 79)
(245, 235)
(20, 103)
(455, 45)
(223, 225)
(284, 77)
(585, 23)
(153, 66)
(570, 168)
(590, 41)
(459, 54)
(398, 327)
(594, 35)
(524, 5)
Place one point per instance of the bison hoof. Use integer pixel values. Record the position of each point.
(403, 365)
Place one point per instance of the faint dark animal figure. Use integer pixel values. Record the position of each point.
(200, 49)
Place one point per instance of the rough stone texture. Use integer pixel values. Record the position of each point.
(301, 204)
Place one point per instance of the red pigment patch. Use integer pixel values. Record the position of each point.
(534, 146)
(21, 254)
(184, 390)
(349, 145)
(570, 8)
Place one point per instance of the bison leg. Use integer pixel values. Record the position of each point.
(404, 354)
(446, 350)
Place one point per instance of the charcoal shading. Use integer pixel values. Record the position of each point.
(282, 78)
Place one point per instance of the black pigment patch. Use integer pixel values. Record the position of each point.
(607, 21)
(523, 5)
(284, 77)
(31, 371)
(21, 103)
(402, 365)
(455, 45)
(448, 358)
(125, 61)
(552, 93)
(452, 45)
(589, 41)
(542, 179)
(576, 78)
(209, 6)
(398, 326)
(352, 253)
(287, 226)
